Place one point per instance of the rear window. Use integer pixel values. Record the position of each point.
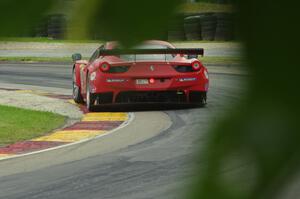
(151, 57)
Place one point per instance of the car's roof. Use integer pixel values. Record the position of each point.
(114, 44)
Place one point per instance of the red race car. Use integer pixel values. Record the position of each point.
(154, 72)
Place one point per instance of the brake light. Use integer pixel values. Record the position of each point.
(197, 65)
(152, 80)
(104, 67)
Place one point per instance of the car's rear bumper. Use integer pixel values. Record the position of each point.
(164, 88)
(145, 97)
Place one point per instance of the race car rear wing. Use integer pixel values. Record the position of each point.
(183, 51)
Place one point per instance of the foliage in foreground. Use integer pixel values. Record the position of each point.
(263, 134)
(205, 7)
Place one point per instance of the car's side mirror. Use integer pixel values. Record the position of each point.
(192, 56)
(76, 57)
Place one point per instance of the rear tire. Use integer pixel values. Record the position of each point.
(89, 97)
(76, 89)
(202, 102)
(198, 98)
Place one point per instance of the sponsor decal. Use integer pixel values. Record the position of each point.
(187, 79)
(115, 80)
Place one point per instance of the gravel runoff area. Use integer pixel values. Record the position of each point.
(43, 49)
(40, 103)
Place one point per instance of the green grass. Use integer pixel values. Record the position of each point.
(221, 60)
(206, 60)
(45, 40)
(36, 59)
(206, 42)
(21, 124)
(206, 7)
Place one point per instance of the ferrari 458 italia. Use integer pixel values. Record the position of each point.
(153, 72)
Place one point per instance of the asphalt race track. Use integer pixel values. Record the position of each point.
(151, 158)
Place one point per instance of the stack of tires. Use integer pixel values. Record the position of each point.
(192, 28)
(204, 26)
(176, 30)
(56, 26)
(225, 29)
(208, 26)
(42, 29)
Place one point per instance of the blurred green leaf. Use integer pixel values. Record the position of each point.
(128, 21)
(19, 17)
(264, 129)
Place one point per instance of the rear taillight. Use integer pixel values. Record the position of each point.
(197, 65)
(193, 67)
(151, 80)
(104, 67)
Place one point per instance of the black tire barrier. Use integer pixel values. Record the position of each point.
(225, 27)
(41, 29)
(208, 26)
(202, 26)
(205, 26)
(176, 29)
(56, 26)
(192, 28)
